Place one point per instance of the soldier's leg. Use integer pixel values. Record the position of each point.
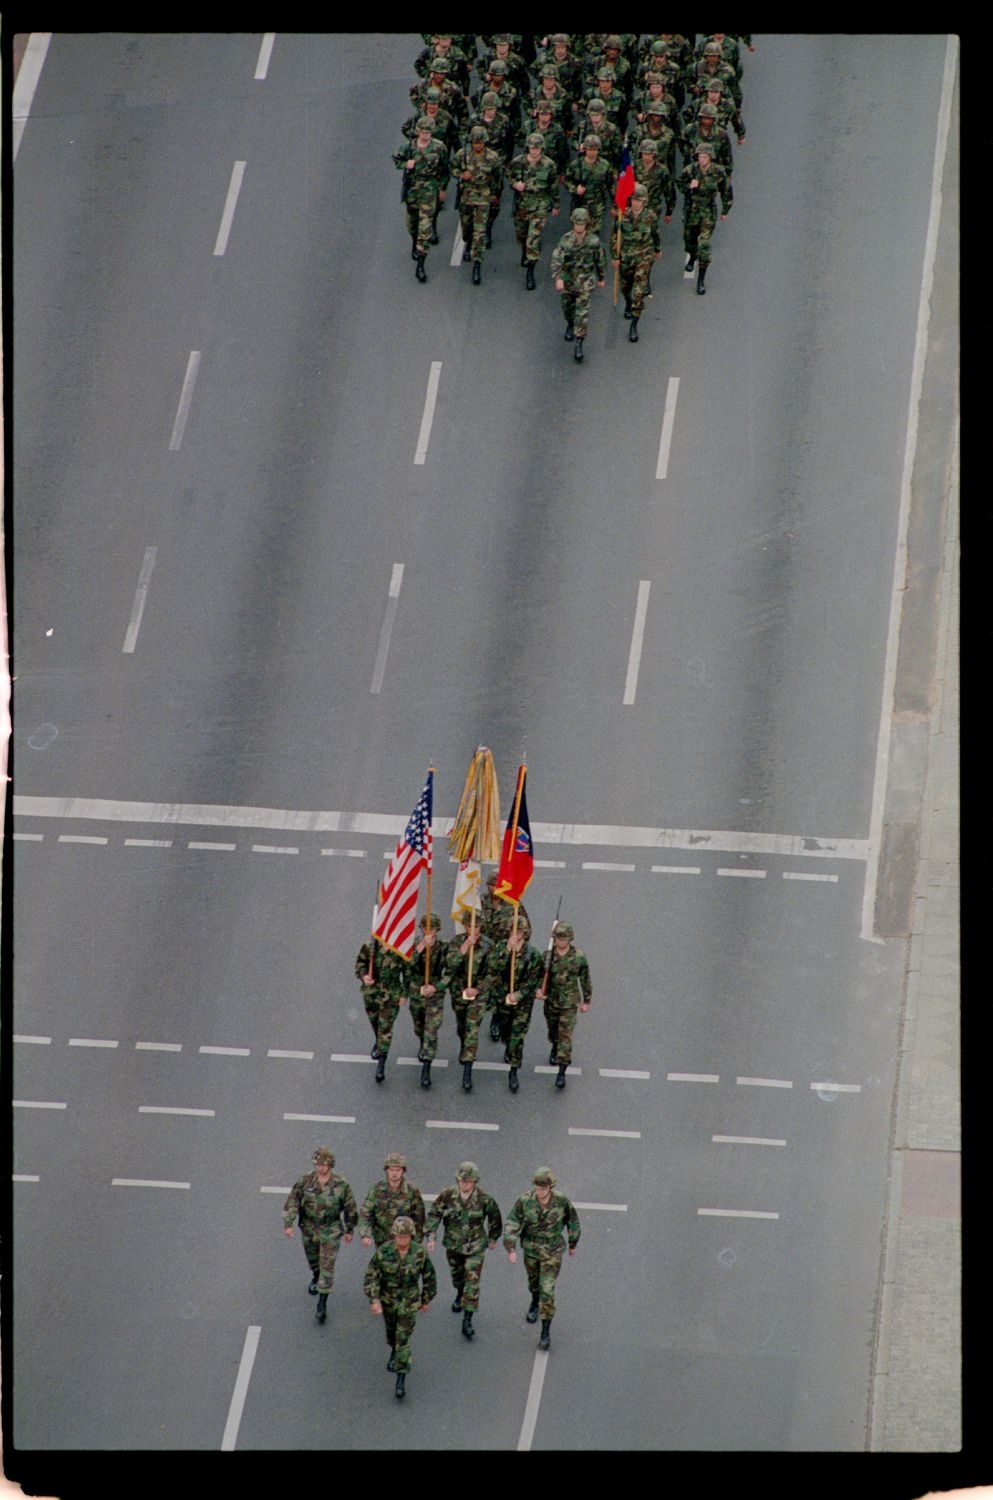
(479, 218)
(569, 312)
(550, 1263)
(626, 277)
(474, 1013)
(328, 1256)
(705, 232)
(433, 1014)
(520, 233)
(405, 1320)
(535, 229)
(371, 1003)
(465, 219)
(425, 224)
(532, 1265)
(491, 218)
(639, 283)
(552, 1011)
(473, 1270)
(390, 1324)
(312, 1250)
(417, 1012)
(388, 1009)
(459, 1009)
(518, 1031)
(567, 1025)
(412, 216)
(456, 1264)
(581, 320)
(691, 233)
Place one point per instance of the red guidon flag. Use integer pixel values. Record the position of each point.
(397, 910)
(517, 859)
(625, 182)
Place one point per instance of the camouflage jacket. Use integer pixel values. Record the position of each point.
(723, 70)
(666, 138)
(469, 1226)
(443, 129)
(611, 140)
(497, 917)
(614, 103)
(391, 972)
(527, 965)
(575, 262)
(402, 1282)
(571, 973)
(597, 179)
(702, 200)
(381, 1206)
(430, 172)
(728, 115)
(435, 970)
(571, 75)
(456, 970)
(485, 175)
(541, 1228)
(658, 180)
(321, 1209)
(556, 146)
(508, 100)
(452, 98)
(717, 139)
(499, 135)
(459, 64)
(541, 184)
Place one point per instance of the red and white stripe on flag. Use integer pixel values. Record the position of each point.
(396, 914)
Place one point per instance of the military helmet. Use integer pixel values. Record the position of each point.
(534, 139)
(703, 148)
(497, 68)
(708, 112)
(560, 39)
(440, 65)
(715, 85)
(543, 1177)
(549, 70)
(503, 36)
(544, 107)
(712, 49)
(591, 140)
(564, 929)
(403, 1225)
(425, 123)
(324, 1156)
(431, 918)
(612, 42)
(490, 100)
(660, 48)
(604, 73)
(651, 78)
(395, 1159)
(649, 147)
(467, 1171)
(477, 133)
(656, 108)
(596, 107)
(580, 216)
(432, 95)
(640, 191)
(491, 878)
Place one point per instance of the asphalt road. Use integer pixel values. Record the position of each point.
(279, 501)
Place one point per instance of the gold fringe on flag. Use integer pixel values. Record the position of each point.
(476, 831)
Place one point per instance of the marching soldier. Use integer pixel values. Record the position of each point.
(553, 138)
(594, 122)
(472, 1223)
(441, 76)
(496, 916)
(425, 177)
(700, 185)
(651, 169)
(400, 1282)
(385, 979)
(570, 74)
(512, 1007)
(578, 264)
(591, 182)
(468, 1001)
(542, 1220)
(640, 247)
(388, 1199)
(323, 1205)
(535, 181)
(480, 173)
(565, 990)
(427, 998)
(705, 131)
(444, 46)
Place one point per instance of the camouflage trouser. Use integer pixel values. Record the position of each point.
(321, 1255)
(529, 227)
(521, 1020)
(543, 1264)
(371, 1002)
(468, 1018)
(427, 1016)
(634, 280)
(399, 1331)
(420, 221)
(386, 1019)
(475, 217)
(561, 1023)
(697, 231)
(466, 1271)
(576, 304)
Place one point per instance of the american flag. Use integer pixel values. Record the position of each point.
(396, 914)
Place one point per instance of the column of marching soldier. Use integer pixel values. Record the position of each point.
(546, 112)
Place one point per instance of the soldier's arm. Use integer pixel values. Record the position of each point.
(572, 1225)
(584, 966)
(494, 1219)
(512, 1227)
(291, 1208)
(366, 1213)
(417, 1213)
(362, 962)
(370, 1281)
(434, 1216)
(727, 194)
(429, 1281)
(349, 1210)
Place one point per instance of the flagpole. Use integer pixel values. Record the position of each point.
(372, 935)
(521, 773)
(472, 929)
(427, 945)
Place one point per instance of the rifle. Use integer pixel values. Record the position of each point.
(465, 168)
(543, 987)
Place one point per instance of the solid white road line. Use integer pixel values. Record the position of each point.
(391, 825)
(693, 1077)
(185, 397)
(737, 1213)
(170, 1109)
(86, 1041)
(324, 1119)
(526, 1435)
(627, 1135)
(901, 561)
(234, 188)
(428, 416)
(145, 1182)
(766, 1083)
(41, 1041)
(158, 1046)
(802, 875)
(669, 417)
(36, 1104)
(224, 848)
(592, 864)
(240, 1391)
(138, 607)
(27, 81)
(748, 874)
(228, 1051)
(304, 1056)
(80, 838)
(747, 1140)
(622, 1073)
(265, 52)
(148, 843)
(607, 1208)
(837, 1088)
(272, 849)
(386, 630)
(637, 640)
(675, 869)
(458, 1124)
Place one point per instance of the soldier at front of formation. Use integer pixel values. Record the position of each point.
(535, 182)
(542, 1220)
(400, 1282)
(386, 1200)
(578, 265)
(566, 989)
(468, 1000)
(323, 1204)
(591, 181)
(640, 248)
(427, 992)
(513, 1002)
(701, 184)
(480, 173)
(472, 1223)
(385, 979)
(425, 178)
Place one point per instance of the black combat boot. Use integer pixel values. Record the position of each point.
(529, 278)
(457, 1303)
(568, 335)
(494, 1029)
(531, 1316)
(524, 255)
(552, 1056)
(506, 1054)
(545, 1340)
(467, 1077)
(701, 290)
(434, 229)
(413, 247)
(627, 307)
(467, 1329)
(467, 251)
(419, 270)
(312, 1289)
(690, 263)
(477, 273)
(560, 1081)
(577, 353)
(380, 1068)
(420, 1049)
(399, 1390)
(322, 1307)
(633, 330)
(391, 1363)
(512, 1081)
(489, 234)
(375, 1051)
(425, 1074)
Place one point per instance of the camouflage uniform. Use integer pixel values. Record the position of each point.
(598, 179)
(580, 265)
(479, 194)
(554, 143)
(570, 69)
(382, 1206)
(533, 206)
(513, 1020)
(700, 207)
(458, 63)
(728, 113)
(714, 139)
(423, 181)
(594, 122)
(319, 1210)
(468, 1013)
(452, 97)
(382, 998)
(542, 1233)
(568, 979)
(639, 237)
(704, 72)
(496, 917)
(427, 1011)
(443, 125)
(658, 129)
(651, 169)
(402, 1284)
(471, 1224)
(499, 131)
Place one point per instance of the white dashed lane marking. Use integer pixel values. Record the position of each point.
(185, 398)
(324, 1119)
(668, 419)
(675, 869)
(766, 1083)
(747, 1140)
(38, 1041)
(607, 1208)
(427, 418)
(148, 843)
(265, 52)
(196, 844)
(304, 1056)
(748, 874)
(234, 188)
(627, 1135)
(458, 1124)
(272, 849)
(80, 838)
(693, 1077)
(25, 1177)
(158, 1046)
(622, 1073)
(36, 1104)
(86, 1041)
(228, 1051)
(140, 595)
(149, 1182)
(737, 1213)
(170, 1109)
